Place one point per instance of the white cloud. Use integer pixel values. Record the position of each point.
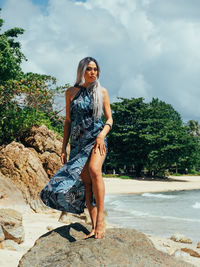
(146, 48)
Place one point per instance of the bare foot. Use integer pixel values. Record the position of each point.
(100, 227)
(90, 234)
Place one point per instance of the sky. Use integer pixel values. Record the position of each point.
(145, 48)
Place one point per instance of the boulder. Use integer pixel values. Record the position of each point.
(51, 163)
(42, 139)
(181, 238)
(48, 146)
(10, 195)
(2, 236)
(11, 224)
(9, 244)
(66, 247)
(25, 171)
(192, 252)
(198, 245)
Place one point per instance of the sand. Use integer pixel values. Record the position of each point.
(135, 186)
(36, 224)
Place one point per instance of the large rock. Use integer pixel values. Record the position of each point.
(42, 139)
(51, 163)
(10, 195)
(65, 247)
(48, 145)
(177, 237)
(25, 171)
(2, 236)
(11, 224)
(9, 244)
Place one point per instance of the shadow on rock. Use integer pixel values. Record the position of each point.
(69, 231)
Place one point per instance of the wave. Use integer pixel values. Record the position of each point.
(196, 205)
(158, 195)
(122, 213)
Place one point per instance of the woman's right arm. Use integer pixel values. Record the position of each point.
(67, 127)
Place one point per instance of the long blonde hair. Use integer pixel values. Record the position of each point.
(95, 87)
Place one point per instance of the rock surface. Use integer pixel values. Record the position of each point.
(2, 236)
(9, 244)
(42, 139)
(10, 195)
(51, 163)
(181, 238)
(66, 247)
(192, 252)
(25, 171)
(11, 224)
(180, 250)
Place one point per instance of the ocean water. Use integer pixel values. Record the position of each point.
(161, 214)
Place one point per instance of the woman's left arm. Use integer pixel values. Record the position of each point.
(107, 126)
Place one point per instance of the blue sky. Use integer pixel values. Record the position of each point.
(146, 48)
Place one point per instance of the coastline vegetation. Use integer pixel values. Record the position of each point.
(147, 139)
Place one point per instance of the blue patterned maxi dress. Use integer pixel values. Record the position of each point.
(65, 190)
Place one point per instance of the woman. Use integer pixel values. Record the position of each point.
(80, 179)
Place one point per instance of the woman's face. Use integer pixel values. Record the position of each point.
(91, 72)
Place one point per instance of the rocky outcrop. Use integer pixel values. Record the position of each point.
(25, 171)
(192, 252)
(48, 146)
(181, 238)
(11, 227)
(10, 195)
(51, 163)
(28, 166)
(42, 139)
(182, 251)
(66, 247)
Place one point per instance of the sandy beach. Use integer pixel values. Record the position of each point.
(37, 224)
(135, 186)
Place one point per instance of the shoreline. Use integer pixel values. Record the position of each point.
(174, 183)
(37, 224)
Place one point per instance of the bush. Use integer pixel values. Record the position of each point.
(15, 121)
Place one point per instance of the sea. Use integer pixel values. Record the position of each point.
(160, 214)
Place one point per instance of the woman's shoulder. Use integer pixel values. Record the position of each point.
(71, 92)
(104, 91)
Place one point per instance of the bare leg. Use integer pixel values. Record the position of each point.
(88, 195)
(98, 187)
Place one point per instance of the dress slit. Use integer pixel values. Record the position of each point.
(65, 190)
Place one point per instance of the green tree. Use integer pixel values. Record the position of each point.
(126, 144)
(26, 99)
(149, 135)
(11, 55)
(168, 140)
(193, 127)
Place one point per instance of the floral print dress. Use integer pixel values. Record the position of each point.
(65, 190)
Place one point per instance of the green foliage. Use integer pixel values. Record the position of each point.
(25, 99)
(125, 139)
(149, 135)
(28, 102)
(11, 56)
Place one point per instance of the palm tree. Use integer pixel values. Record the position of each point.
(194, 127)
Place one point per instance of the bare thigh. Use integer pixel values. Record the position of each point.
(95, 163)
(85, 175)
(92, 167)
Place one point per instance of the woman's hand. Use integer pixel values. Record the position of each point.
(63, 157)
(100, 144)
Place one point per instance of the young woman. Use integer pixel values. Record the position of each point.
(80, 179)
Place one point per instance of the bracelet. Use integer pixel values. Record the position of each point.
(108, 125)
